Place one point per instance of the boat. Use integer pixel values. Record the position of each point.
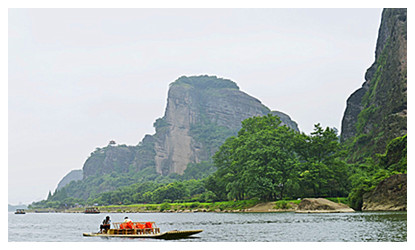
(19, 211)
(91, 210)
(142, 230)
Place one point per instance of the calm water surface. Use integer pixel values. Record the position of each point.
(219, 227)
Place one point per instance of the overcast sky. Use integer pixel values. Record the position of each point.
(78, 78)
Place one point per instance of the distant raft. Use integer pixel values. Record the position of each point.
(20, 211)
(142, 230)
(91, 210)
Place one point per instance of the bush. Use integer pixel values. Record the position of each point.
(194, 205)
(282, 205)
(165, 206)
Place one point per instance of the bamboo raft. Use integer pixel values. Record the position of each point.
(153, 232)
(20, 211)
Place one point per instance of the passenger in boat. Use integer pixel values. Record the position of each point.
(127, 224)
(105, 226)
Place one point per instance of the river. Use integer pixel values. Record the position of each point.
(220, 227)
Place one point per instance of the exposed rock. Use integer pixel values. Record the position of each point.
(74, 175)
(201, 112)
(389, 195)
(377, 112)
(320, 205)
(270, 207)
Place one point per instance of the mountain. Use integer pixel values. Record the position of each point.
(74, 175)
(201, 112)
(376, 113)
(374, 126)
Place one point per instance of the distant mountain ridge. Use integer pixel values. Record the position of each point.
(201, 112)
(74, 175)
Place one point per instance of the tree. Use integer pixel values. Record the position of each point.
(259, 161)
(368, 174)
(172, 191)
(321, 170)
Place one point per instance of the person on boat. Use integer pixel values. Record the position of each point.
(127, 224)
(105, 226)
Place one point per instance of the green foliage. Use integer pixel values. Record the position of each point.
(256, 163)
(161, 125)
(367, 175)
(198, 171)
(383, 106)
(209, 134)
(269, 162)
(395, 157)
(343, 200)
(165, 206)
(364, 116)
(234, 205)
(172, 191)
(265, 161)
(322, 172)
(282, 205)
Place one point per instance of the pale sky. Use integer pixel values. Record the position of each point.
(78, 78)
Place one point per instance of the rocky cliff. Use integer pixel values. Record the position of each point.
(389, 195)
(377, 112)
(201, 112)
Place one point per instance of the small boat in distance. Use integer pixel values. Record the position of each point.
(19, 211)
(91, 210)
(141, 230)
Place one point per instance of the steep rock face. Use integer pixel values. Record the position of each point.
(389, 195)
(74, 175)
(377, 112)
(201, 112)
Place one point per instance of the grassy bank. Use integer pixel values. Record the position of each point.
(223, 206)
(181, 207)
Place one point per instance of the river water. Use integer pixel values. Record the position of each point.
(220, 227)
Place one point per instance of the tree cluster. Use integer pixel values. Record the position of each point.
(269, 161)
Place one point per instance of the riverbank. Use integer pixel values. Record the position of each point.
(252, 206)
(244, 206)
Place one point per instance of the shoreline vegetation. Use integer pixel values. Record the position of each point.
(244, 206)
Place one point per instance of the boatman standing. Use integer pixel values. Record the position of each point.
(105, 226)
